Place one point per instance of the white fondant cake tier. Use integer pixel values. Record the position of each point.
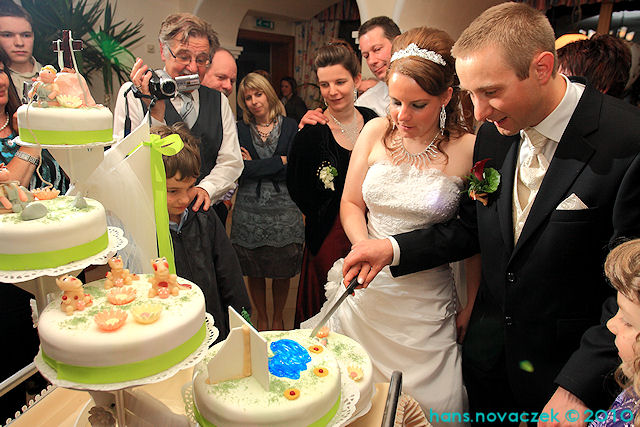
(81, 352)
(243, 402)
(351, 354)
(65, 126)
(64, 234)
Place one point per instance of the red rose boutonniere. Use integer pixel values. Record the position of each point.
(482, 182)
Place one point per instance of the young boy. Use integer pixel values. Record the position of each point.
(203, 252)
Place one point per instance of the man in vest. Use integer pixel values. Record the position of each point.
(187, 45)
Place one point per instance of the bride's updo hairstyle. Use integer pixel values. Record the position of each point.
(431, 76)
(337, 52)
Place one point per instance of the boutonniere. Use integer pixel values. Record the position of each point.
(482, 182)
(327, 173)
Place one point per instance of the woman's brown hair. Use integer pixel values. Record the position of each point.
(432, 77)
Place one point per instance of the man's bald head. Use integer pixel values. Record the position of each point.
(222, 73)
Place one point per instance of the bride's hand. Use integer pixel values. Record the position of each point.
(462, 321)
(366, 259)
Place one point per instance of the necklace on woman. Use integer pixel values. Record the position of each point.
(350, 130)
(400, 154)
(6, 123)
(265, 134)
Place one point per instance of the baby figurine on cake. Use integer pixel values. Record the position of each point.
(65, 89)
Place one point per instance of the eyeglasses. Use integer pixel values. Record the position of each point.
(202, 60)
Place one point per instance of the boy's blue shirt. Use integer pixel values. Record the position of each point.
(176, 227)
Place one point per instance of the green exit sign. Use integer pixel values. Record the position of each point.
(264, 23)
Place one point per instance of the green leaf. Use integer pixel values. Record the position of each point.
(492, 180)
(106, 44)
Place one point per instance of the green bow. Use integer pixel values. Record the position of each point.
(167, 146)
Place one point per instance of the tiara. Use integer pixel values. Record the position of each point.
(413, 50)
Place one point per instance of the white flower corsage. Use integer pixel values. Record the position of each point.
(327, 173)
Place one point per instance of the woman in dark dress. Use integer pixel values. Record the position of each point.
(293, 104)
(317, 168)
(266, 229)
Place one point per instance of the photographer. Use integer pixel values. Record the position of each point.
(187, 44)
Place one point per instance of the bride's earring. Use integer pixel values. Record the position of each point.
(443, 119)
(355, 94)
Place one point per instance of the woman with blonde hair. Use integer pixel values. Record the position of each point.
(266, 228)
(407, 172)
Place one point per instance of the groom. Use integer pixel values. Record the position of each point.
(570, 175)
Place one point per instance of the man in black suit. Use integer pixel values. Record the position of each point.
(568, 159)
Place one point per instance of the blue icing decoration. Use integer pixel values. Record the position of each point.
(289, 359)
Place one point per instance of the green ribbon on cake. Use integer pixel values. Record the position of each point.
(322, 422)
(167, 146)
(51, 259)
(128, 371)
(65, 137)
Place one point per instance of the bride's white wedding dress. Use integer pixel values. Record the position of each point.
(406, 323)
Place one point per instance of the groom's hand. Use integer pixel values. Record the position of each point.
(366, 259)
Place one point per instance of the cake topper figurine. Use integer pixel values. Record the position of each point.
(44, 89)
(73, 297)
(66, 88)
(118, 276)
(163, 283)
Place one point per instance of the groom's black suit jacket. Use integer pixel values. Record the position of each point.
(538, 298)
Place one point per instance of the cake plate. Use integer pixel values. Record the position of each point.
(42, 282)
(78, 161)
(118, 388)
(349, 396)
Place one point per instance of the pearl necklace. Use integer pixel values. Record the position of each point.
(351, 130)
(6, 123)
(400, 154)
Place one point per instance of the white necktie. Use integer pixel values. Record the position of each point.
(533, 168)
(188, 110)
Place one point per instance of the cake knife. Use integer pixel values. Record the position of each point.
(349, 290)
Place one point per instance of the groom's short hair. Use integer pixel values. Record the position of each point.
(518, 30)
(389, 28)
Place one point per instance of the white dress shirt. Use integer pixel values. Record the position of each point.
(376, 98)
(229, 162)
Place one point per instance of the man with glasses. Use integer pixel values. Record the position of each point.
(16, 38)
(187, 44)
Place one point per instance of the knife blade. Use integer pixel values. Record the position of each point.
(349, 290)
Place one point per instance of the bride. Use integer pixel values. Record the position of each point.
(406, 172)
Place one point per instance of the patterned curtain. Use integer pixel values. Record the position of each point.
(312, 34)
(545, 5)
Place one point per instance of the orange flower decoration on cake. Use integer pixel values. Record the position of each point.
(323, 332)
(292, 393)
(45, 193)
(321, 372)
(355, 373)
(121, 296)
(110, 320)
(316, 349)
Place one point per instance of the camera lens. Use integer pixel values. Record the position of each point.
(169, 87)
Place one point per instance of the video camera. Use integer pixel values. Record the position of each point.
(163, 86)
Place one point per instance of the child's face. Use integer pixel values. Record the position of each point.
(178, 195)
(625, 325)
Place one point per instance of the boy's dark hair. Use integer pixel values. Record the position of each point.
(186, 162)
(9, 8)
(390, 28)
